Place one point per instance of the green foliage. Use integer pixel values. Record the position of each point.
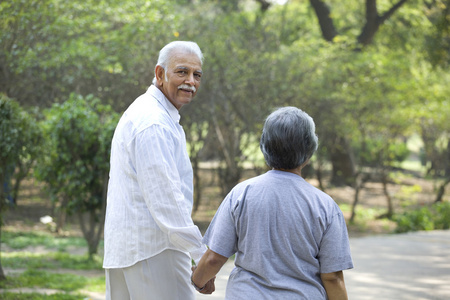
(79, 134)
(378, 150)
(436, 216)
(76, 165)
(254, 61)
(438, 41)
(20, 139)
(50, 48)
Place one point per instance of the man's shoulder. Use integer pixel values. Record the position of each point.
(146, 111)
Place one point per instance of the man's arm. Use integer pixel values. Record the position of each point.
(161, 186)
(209, 265)
(334, 285)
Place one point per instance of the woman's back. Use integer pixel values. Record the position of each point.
(285, 232)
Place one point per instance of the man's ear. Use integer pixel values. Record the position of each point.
(159, 73)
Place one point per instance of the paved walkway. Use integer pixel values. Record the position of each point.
(412, 266)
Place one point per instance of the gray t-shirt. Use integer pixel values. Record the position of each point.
(285, 232)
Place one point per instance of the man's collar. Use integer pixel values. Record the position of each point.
(170, 108)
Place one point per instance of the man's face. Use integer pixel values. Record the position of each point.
(181, 79)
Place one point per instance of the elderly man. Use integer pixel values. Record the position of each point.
(150, 237)
(290, 238)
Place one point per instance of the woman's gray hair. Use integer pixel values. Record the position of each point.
(288, 139)
(166, 52)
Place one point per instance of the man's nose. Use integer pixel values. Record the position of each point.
(190, 79)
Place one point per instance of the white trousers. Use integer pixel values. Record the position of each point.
(165, 276)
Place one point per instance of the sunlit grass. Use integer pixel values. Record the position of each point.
(50, 269)
(366, 216)
(43, 279)
(96, 284)
(51, 260)
(37, 296)
(21, 240)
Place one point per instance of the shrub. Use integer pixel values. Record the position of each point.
(436, 216)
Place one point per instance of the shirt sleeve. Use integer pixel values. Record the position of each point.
(221, 236)
(158, 174)
(334, 253)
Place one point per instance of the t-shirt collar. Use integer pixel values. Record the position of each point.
(170, 108)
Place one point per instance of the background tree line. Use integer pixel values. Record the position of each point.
(371, 73)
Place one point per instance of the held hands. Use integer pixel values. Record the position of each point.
(208, 288)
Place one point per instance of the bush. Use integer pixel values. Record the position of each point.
(436, 216)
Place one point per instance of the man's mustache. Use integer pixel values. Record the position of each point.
(187, 87)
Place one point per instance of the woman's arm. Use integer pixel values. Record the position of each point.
(334, 285)
(209, 265)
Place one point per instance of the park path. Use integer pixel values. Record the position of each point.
(411, 266)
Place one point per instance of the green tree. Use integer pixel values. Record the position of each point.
(76, 164)
(31, 136)
(18, 136)
(51, 48)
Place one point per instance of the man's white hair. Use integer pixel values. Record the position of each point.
(166, 53)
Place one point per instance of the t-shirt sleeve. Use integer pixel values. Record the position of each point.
(334, 252)
(221, 236)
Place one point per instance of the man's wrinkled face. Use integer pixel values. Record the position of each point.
(181, 79)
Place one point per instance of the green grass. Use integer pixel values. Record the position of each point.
(364, 216)
(49, 270)
(51, 260)
(43, 279)
(21, 240)
(37, 296)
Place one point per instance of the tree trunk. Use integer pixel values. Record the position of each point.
(447, 161)
(229, 176)
(92, 222)
(374, 20)
(319, 178)
(384, 180)
(61, 218)
(23, 169)
(341, 156)
(441, 190)
(360, 180)
(197, 183)
(264, 5)
(355, 202)
(2, 204)
(323, 14)
(91, 228)
(2, 273)
(229, 143)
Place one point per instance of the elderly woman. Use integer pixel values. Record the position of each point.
(290, 239)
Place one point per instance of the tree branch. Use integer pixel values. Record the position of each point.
(325, 21)
(264, 5)
(391, 11)
(373, 20)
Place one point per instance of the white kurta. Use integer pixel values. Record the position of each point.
(150, 192)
